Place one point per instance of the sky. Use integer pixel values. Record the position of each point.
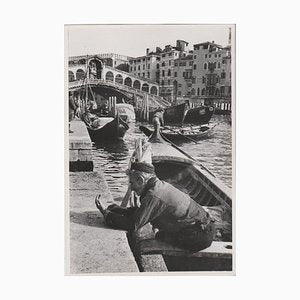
(133, 40)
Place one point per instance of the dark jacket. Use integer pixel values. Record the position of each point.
(167, 208)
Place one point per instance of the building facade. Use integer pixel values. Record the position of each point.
(211, 71)
(183, 74)
(159, 66)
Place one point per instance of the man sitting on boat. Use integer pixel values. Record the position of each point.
(179, 219)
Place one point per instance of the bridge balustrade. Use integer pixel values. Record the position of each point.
(156, 100)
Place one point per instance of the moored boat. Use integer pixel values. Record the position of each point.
(180, 169)
(181, 114)
(182, 133)
(102, 128)
(199, 115)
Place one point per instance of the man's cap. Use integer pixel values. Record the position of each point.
(143, 167)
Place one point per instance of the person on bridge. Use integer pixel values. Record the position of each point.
(179, 220)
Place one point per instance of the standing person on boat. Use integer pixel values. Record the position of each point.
(179, 219)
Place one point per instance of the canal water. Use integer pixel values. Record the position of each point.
(215, 153)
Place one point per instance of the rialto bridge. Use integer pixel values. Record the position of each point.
(109, 81)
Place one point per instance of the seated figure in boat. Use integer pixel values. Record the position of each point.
(177, 219)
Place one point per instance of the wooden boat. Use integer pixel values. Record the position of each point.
(185, 173)
(183, 133)
(181, 170)
(181, 114)
(103, 128)
(199, 115)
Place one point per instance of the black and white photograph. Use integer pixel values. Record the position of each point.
(150, 135)
(149, 150)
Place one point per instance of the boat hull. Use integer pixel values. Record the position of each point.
(175, 114)
(199, 115)
(113, 130)
(181, 135)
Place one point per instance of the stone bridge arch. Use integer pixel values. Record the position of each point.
(137, 85)
(145, 87)
(71, 76)
(153, 90)
(95, 67)
(128, 81)
(119, 79)
(80, 74)
(109, 76)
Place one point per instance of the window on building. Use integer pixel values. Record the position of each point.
(134, 68)
(183, 74)
(163, 64)
(195, 56)
(203, 79)
(139, 67)
(139, 74)
(148, 74)
(164, 55)
(162, 82)
(223, 75)
(163, 73)
(216, 55)
(176, 64)
(169, 72)
(170, 62)
(195, 67)
(175, 74)
(179, 93)
(205, 55)
(157, 66)
(143, 59)
(169, 82)
(179, 85)
(143, 67)
(184, 64)
(224, 61)
(219, 55)
(209, 56)
(219, 65)
(130, 69)
(215, 65)
(170, 54)
(143, 74)
(205, 66)
(148, 58)
(148, 66)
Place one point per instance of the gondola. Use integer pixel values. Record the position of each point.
(181, 114)
(185, 173)
(199, 115)
(104, 128)
(183, 133)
